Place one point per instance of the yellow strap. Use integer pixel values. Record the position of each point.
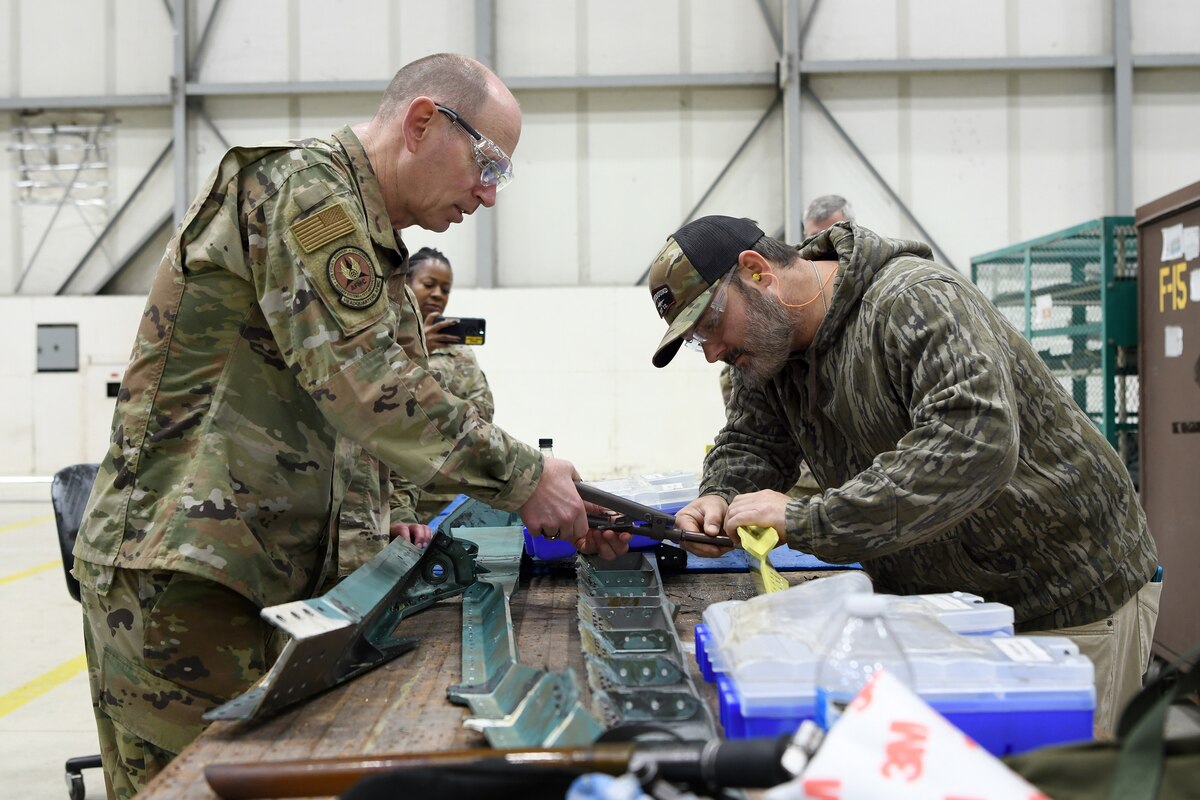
(759, 542)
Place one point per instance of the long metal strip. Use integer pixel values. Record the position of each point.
(632, 649)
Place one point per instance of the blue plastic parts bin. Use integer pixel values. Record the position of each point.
(996, 724)
(1001, 724)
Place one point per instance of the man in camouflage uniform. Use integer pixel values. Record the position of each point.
(366, 523)
(822, 212)
(951, 457)
(268, 355)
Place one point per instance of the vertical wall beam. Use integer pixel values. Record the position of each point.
(1122, 108)
(485, 223)
(789, 85)
(179, 108)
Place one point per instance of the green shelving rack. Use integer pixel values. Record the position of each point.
(1074, 295)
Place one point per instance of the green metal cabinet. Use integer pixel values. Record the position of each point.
(1073, 294)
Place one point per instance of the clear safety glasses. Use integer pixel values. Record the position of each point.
(706, 327)
(495, 167)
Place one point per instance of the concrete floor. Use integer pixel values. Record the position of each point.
(45, 709)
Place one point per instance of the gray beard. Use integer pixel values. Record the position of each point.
(768, 339)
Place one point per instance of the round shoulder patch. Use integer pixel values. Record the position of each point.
(352, 275)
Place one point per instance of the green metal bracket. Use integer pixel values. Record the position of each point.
(630, 575)
(551, 714)
(493, 682)
(633, 671)
(512, 704)
(632, 648)
(351, 629)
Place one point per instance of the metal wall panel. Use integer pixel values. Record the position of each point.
(1169, 292)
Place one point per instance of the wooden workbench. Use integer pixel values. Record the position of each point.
(402, 705)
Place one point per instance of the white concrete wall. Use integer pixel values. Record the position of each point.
(571, 364)
(51, 419)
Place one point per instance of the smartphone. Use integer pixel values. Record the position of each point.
(470, 330)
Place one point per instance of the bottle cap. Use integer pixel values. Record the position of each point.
(866, 605)
(544, 443)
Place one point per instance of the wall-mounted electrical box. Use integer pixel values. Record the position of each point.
(57, 348)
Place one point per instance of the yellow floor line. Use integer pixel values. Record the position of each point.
(41, 684)
(12, 526)
(25, 573)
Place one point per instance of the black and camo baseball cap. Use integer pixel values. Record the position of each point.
(685, 272)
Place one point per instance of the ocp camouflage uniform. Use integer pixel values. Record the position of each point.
(954, 459)
(364, 524)
(266, 342)
(457, 368)
(366, 513)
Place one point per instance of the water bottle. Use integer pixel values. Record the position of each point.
(546, 447)
(861, 648)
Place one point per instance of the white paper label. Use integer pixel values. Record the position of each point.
(1191, 242)
(1172, 243)
(1019, 649)
(1194, 278)
(1173, 340)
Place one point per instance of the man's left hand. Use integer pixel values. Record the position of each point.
(605, 543)
(766, 509)
(414, 532)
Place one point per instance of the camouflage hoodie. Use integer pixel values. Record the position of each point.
(267, 353)
(951, 458)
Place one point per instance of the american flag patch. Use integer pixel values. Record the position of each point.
(314, 231)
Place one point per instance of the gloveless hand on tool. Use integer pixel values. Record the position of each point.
(629, 517)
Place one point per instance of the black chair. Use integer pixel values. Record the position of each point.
(69, 492)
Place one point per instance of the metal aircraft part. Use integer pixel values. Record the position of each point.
(512, 704)
(631, 672)
(493, 683)
(629, 575)
(633, 651)
(498, 559)
(551, 714)
(351, 628)
(677, 709)
(466, 512)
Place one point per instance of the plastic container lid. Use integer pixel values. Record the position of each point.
(545, 443)
(866, 605)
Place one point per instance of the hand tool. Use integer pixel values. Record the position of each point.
(641, 520)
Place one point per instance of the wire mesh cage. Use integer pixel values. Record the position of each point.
(1073, 293)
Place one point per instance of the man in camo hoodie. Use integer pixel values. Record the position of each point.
(948, 455)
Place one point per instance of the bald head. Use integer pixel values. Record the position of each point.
(437, 119)
(456, 81)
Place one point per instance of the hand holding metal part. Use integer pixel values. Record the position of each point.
(633, 517)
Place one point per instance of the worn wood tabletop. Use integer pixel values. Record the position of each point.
(402, 707)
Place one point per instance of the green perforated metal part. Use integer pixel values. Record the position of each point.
(351, 628)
